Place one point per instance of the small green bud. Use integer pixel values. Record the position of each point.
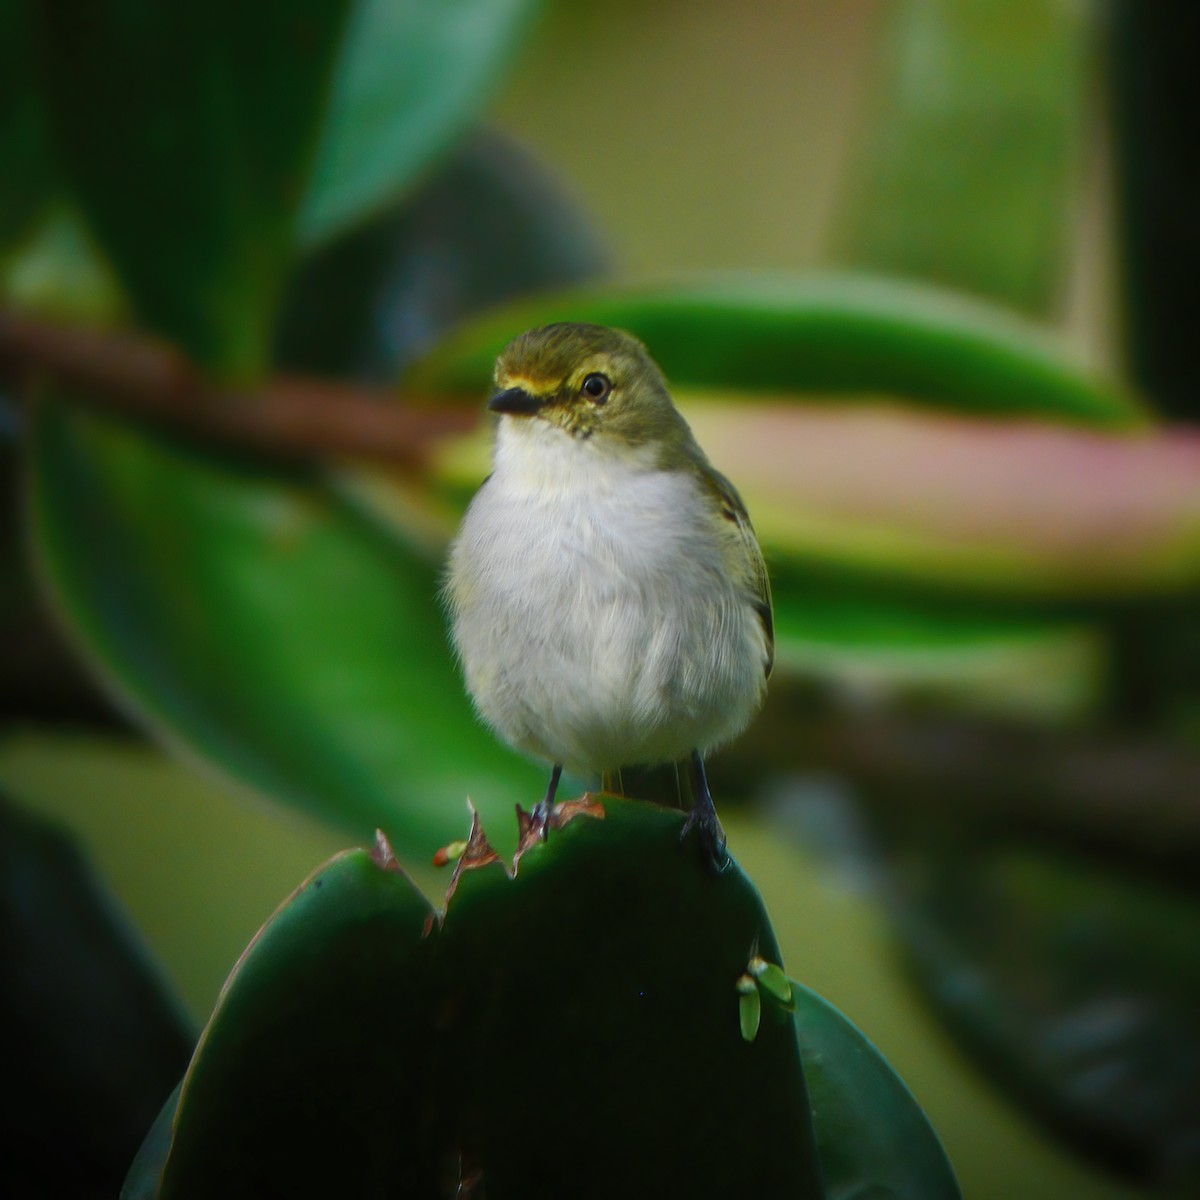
(749, 1007)
(449, 854)
(771, 978)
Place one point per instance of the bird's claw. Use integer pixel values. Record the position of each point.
(540, 818)
(703, 818)
(711, 835)
(543, 810)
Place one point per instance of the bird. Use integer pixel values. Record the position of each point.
(609, 602)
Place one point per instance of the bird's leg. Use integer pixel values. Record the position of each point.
(703, 817)
(544, 808)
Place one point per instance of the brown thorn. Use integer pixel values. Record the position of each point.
(587, 805)
(527, 832)
(479, 853)
(531, 833)
(383, 854)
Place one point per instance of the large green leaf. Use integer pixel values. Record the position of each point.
(90, 1039)
(572, 1030)
(27, 178)
(1074, 983)
(844, 334)
(975, 146)
(256, 619)
(412, 75)
(188, 130)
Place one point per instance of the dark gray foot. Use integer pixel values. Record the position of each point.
(703, 819)
(544, 808)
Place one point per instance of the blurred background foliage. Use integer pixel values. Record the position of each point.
(920, 272)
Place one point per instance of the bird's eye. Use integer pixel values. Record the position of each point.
(596, 387)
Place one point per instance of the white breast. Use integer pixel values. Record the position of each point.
(594, 614)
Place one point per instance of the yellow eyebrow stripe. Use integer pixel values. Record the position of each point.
(533, 386)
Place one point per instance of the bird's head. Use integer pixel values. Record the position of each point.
(589, 381)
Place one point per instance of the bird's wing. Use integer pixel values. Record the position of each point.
(750, 554)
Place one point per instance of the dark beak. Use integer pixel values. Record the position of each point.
(516, 402)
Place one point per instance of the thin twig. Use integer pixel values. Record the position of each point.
(288, 416)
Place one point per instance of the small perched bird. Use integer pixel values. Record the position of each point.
(609, 600)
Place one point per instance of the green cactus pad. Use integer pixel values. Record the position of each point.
(567, 1026)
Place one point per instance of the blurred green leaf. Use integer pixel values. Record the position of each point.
(490, 224)
(843, 334)
(410, 78)
(90, 1040)
(29, 177)
(971, 162)
(1013, 510)
(1074, 983)
(188, 130)
(360, 1042)
(848, 1081)
(252, 616)
(931, 646)
(41, 681)
(870, 614)
(1155, 98)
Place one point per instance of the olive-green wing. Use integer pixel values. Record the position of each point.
(750, 554)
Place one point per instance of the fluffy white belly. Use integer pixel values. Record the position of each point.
(596, 621)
